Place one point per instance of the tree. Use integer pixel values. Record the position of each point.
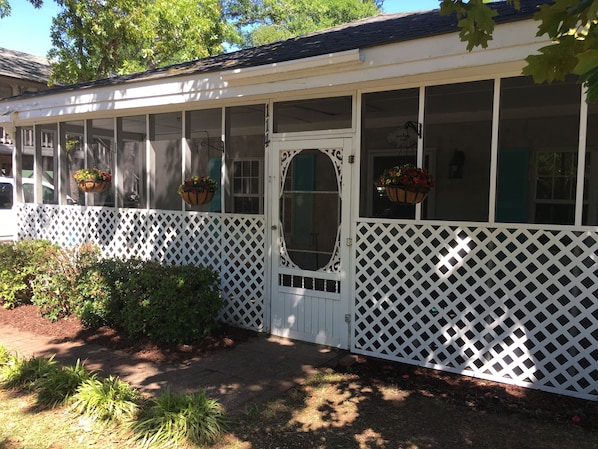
(95, 39)
(571, 25)
(263, 21)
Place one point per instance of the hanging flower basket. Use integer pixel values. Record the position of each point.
(197, 197)
(409, 195)
(92, 180)
(405, 184)
(198, 190)
(93, 185)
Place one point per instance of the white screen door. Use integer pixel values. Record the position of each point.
(310, 234)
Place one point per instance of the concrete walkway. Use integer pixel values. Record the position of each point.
(250, 373)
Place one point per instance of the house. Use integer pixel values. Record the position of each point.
(19, 73)
(494, 275)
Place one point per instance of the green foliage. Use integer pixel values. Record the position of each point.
(55, 289)
(168, 304)
(4, 355)
(109, 399)
(572, 26)
(25, 373)
(176, 418)
(92, 40)
(57, 386)
(264, 21)
(20, 264)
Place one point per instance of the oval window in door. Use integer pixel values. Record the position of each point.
(310, 209)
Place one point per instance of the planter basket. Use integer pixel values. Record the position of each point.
(93, 185)
(407, 195)
(197, 197)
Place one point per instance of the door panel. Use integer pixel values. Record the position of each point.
(309, 285)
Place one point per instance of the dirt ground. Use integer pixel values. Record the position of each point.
(369, 394)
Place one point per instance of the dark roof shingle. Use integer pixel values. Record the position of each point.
(369, 32)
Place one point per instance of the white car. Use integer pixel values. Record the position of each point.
(8, 219)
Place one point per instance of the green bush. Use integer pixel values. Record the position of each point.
(173, 419)
(20, 264)
(55, 290)
(110, 399)
(57, 386)
(25, 373)
(168, 304)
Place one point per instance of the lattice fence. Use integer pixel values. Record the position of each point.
(512, 305)
(232, 244)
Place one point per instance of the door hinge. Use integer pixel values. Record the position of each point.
(347, 318)
(349, 241)
(351, 159)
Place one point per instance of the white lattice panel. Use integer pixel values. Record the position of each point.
(243, 270)
(233, 245)
(512, 305)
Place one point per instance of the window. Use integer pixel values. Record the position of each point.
(537, 157)
(247, 186)
(244, 158)
(556, 176)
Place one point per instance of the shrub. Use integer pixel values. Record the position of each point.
(173, 418)
(55, 290)
(4, 355)
(168, 304)
(25, 373)
(110, 399)
(21, 263)
(99, 290)
(57, 386)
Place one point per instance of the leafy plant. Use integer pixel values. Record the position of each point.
(172, 419)
(109, 399)
(93, 173)
(22, 263)
(57, 386)
(144, 298)
(24, 373)
(55, 290)
(405, 175)
(198, 183)
(4, 355)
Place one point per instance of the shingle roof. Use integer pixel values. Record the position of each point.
(24, 66)
(372, 31)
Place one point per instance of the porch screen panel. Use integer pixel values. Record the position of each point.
(387, 140)
(312, 114)
(166, 133)
(101, 155)
(204, 135)
(244, 158)
(48, 139)
(74, 147)
(458, 139)
(132, 161)
(590, 208)
(537, 160)
(27, 164)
